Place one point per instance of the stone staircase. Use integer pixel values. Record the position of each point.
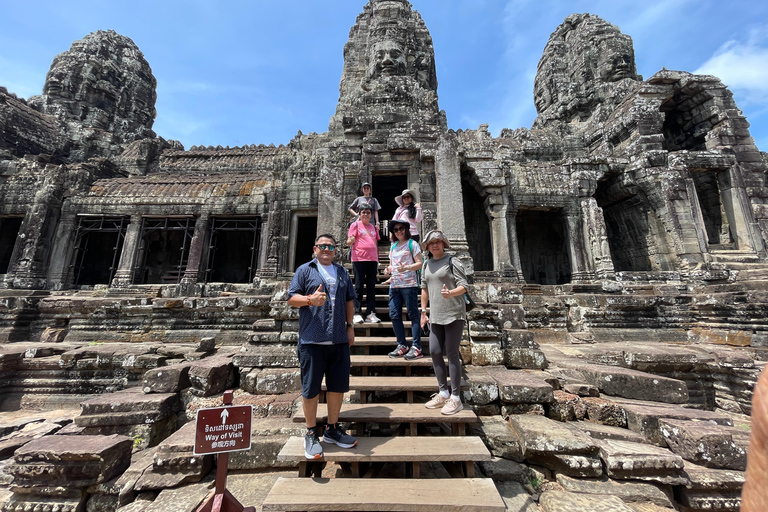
(394, 429)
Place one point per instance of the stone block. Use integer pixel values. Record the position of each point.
(581, 389)
(504, 470)
(539, 435)
(561, 501)
(600, 431)
(485, 353)
(634, 384)
(498, 437)
(206, 344)
(517, 386)
(276, 381)
(525, 358)
(629, 492)
(508, 410)
(635, 461)
(581, 466)
(166, 379)
(643, 418)
(483, 389)
(515, 497)
(704, 443)
(261, 455)
(131, 400)
(282, 356)
(212, 375)
(566, 407)
(604, 412)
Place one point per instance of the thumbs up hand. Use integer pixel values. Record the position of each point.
(445, 292)
(318, 298)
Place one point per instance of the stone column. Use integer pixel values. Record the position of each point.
(576, 247)
(514, 246)
(450, 203)
(497, 210)
(599, 252)
(124, 274)
(30, 263)
(59, 275)
(196, 249)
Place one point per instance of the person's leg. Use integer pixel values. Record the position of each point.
(436, 350)
(358, 268)
(754, 497)
(337, 383)
(334, 401)
(396, 315)
(370, 285)
(312, 368)
(453, 332)
(411, 296)
(310, 410)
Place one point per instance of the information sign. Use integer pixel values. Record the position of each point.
(223, 429)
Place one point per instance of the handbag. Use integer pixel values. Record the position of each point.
(468, 302)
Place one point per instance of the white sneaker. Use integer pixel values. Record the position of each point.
(452, 406)
(372, 319)
(357, 319)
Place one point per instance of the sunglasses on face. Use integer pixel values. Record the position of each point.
(399, 230)
(326, 247)
(365, 213)
(407, 197)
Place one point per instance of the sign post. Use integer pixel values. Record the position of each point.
(222, 430)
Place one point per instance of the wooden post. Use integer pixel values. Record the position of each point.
(222, 500)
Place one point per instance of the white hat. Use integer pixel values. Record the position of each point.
(399, 199)
(435, 234)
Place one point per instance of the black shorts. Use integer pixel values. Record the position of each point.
(318, 361)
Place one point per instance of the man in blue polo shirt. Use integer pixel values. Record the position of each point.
(324, 294)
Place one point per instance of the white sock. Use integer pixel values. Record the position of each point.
(456, 397)
(445, 394)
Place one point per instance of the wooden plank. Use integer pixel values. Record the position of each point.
(374, 341)
(395, 449)
(383, 361)
(444, 495)
(368, 383)
(390, 413)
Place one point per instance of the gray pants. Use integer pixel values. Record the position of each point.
(445, 340)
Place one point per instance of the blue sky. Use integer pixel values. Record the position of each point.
(258, 71)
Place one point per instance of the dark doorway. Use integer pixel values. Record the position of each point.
(712, 211)
(306, 232)
(385, 188)
(233, 252)
(9, 231)
(541, 237)
(98, 244)
(478, 228)
(164, 250)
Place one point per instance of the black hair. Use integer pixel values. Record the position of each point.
(393, 238)
(411, 210)
(326, 235)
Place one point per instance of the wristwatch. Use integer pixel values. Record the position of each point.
(349, 325)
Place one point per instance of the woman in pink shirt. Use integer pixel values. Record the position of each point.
(362, 238)
(410, 211)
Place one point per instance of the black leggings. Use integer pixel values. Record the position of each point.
(445, 339)
(365, 274)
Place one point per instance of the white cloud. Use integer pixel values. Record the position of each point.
(742, 66)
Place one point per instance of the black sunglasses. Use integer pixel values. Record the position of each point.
(399, 229)
(326, 247)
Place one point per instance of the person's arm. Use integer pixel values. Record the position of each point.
(424, 302)
(350, 317)
(754, 497)
(317, 298)
(351, 208)
(413, 266)
(351, 235)
(419, 215)
(459, 290)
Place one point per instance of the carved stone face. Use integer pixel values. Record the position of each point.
(386, 58)
(616, 63)
(542, 96)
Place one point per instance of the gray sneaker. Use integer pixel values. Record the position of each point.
(334, 434)
(312, 447)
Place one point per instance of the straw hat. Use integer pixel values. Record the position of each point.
(399, 199)
(435, 235)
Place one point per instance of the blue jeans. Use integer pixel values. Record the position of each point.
(396, 298)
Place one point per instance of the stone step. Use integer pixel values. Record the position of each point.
(390, 413)
(366, 361)
(395, 449)
(418, 384)
(395, 495)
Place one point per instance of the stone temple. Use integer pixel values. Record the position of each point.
(617, 251)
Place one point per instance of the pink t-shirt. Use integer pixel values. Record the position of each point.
(364, 248)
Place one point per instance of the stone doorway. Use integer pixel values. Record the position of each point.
(478, 228)
(233, 251)
(543, 245)
(306, 232)
(9, 231)
(385, 187)
(98, 245)
(717, 222)
(164, 250)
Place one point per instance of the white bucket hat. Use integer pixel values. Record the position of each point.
(399, 199)
(435, 234)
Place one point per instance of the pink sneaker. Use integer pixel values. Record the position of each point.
(436, 402)
(452, 407)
